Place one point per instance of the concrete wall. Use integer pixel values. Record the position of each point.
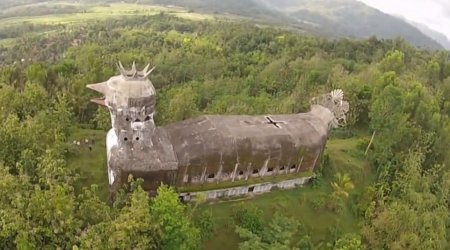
(246, 190)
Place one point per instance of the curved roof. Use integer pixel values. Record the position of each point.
(221, 139)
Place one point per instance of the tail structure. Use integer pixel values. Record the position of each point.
(334, 101)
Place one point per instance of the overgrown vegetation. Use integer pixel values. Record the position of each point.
(400, 198)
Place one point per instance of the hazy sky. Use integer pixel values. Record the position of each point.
(433, 13)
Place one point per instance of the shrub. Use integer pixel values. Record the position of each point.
(324, 168)
(362, 144)
(249, 217)
(206, 223)
(342, 133)
(318, 202)
(317, 181)
(349, 242)
(334, 204)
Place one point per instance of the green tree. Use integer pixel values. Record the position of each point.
(170, 215)
(405, 221)
(349, 242)
(36, 217)
(62, 114)
(393, 61)
(182, 104)
(281, 233)
(387, 115)
(36, 73)
(133, 227)
(102, 119)
(33, 99)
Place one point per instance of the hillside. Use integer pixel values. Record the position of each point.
(351, 18)
(437, 36)
(336, 18)
(331, 18)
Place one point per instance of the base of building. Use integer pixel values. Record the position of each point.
(245, 190)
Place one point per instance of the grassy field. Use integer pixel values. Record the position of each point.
(345, 157)
(295, 203)
(90, 164)
(94, 13)
(91, 13)
(102, 12)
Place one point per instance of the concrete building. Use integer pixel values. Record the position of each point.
(208, 148)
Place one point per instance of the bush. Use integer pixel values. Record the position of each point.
(249, 217)
(362, 144)
(324, 168)
(349, 242)
(206, 223)
(317, 180)
(102, 119)
(342, 133)
(318, 202)
(334, 204)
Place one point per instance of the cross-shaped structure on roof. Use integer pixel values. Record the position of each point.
(275, 123)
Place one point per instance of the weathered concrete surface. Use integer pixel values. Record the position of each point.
(245, 190)
(210, 148)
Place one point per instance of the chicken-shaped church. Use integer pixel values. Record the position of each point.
(209, 148)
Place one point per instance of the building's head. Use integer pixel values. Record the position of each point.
(130, 98)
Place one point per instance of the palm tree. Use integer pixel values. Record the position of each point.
(342, 185)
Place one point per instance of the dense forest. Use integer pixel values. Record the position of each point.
(399, 96)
